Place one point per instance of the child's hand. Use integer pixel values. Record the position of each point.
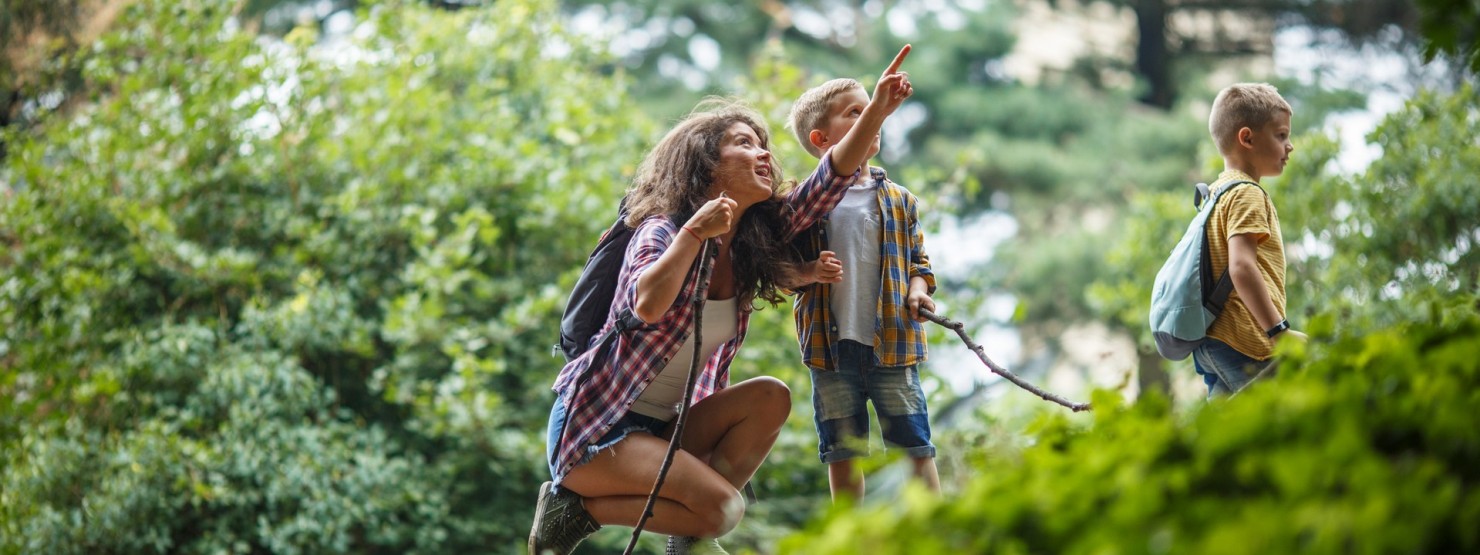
(894, 85)
(1291, 335)
(916, 300)
(826, 269)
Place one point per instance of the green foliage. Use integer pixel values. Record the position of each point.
(1365, 444)
(1360, 247)
(1409, 221)
(1451, 28)
(262, 297)
(30, 29)
(265, 298)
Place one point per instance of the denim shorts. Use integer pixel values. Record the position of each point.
(628, 423)
(840, 410)
(1225, 370)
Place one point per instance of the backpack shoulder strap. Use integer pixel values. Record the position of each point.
(1215, 292)
(1203, 191)
(625, 321)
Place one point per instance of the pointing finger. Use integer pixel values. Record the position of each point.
(898, 59)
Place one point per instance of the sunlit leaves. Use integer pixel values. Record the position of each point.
(276, 289)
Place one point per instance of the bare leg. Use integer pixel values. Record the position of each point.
(726, 438)
(845, 481)
(695, 500)
(734, 429)
(926, 473)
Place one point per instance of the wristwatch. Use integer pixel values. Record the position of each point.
(1280, 327)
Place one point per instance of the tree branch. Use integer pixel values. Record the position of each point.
(701, 292)
(981, 353)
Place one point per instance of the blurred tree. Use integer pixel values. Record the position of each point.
(262, 296)
(1173, 33)
(1060, 156)
(1384, 273)
(1359, 248)
(1451, 28)
(31, 33)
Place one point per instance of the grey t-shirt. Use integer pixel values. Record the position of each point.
(853, 231)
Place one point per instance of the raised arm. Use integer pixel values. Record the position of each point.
(820, 192)
(664, 269)
(889, 93)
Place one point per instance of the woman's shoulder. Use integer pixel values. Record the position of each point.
(655, 227)
(657, 221)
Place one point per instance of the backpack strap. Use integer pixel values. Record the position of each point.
(625, 321)
(1215, 293)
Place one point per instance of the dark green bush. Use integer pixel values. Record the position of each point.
(1367, 444)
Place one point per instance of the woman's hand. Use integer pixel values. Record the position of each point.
(714, 218)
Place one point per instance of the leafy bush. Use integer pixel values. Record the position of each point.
(261, 297)
(1365, 445)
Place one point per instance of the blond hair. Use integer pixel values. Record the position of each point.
(1241, 105)
(811, 110)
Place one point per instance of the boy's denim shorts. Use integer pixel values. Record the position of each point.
(1225, 370)
(840, 410)
(630, 422)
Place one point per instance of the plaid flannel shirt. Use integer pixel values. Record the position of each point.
(898, 339)
(599, 387)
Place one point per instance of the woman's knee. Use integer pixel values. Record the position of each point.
(718, 513)
(770, 395)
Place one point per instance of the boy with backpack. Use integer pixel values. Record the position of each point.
(1250, 124)
(859, 325)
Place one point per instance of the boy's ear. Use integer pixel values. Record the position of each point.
(818, 139)
(1245, 137)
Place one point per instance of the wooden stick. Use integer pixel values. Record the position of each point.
(981, 353)
(700, 292)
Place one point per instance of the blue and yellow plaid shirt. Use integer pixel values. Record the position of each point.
(898, 340)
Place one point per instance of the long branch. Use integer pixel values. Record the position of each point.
(981, 353)
(701, 291)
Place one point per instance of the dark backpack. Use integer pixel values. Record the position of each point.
(591, 299)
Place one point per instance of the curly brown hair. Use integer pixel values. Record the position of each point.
(674, 180)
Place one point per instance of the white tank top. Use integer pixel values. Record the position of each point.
(661, 398)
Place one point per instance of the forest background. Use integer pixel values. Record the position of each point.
(283, 276)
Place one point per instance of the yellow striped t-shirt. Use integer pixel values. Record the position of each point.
(1246, 210)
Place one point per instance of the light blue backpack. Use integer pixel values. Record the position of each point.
(1185, 298)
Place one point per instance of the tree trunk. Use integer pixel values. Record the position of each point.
(10, 102)
(1151, 372)
(1153, 58)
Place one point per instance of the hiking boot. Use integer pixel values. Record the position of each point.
(560, 522)
(694, 546)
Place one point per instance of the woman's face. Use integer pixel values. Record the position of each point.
(744, 170)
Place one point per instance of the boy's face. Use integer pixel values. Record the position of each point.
(1271, 146)
(846, 107)
(744, 170)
